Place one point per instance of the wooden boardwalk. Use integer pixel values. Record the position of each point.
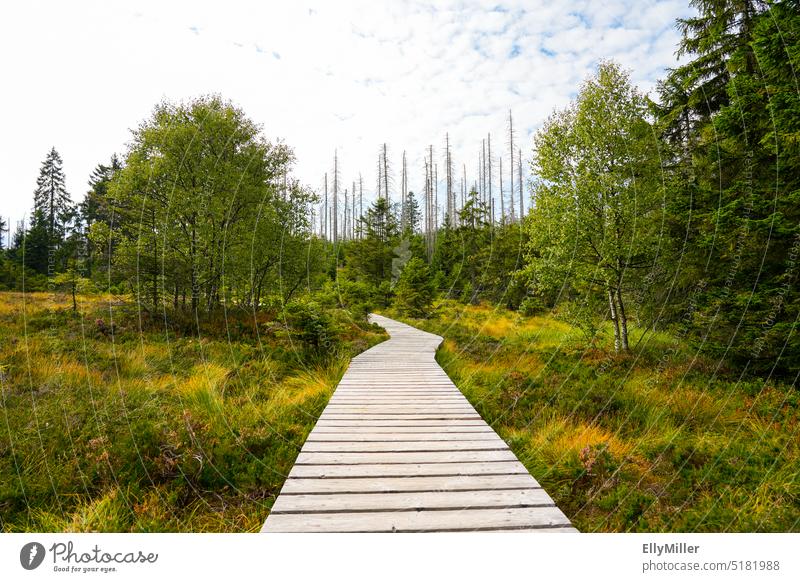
(399, 449)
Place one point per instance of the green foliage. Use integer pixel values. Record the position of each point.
(53, 208)
(414, 292)
(313, 327)
(206, 213)
(598, 194)
(731, 117)
(369, 258)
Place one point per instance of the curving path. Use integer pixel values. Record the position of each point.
(399, 449)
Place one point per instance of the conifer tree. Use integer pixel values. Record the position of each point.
(51, 202)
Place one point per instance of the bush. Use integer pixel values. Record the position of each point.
(532, 306)
(313, 326)
(357, 297)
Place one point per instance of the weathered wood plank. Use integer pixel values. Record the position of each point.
(399, 423)
(400, 484)
(395, 446)
(416, 501)
(420, 521)
(419, 470)
(382, 437)
(383, 458)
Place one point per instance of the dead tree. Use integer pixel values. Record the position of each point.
(483, 170)
(464, 193)
(519, 181)
(346, 214)
(436, 202)
(511, 171)
(335, 200)
(427, 209)
(403, 193)
(489, 171)
(360, 204)
(385, 173)
(502, 203)
(451, 200)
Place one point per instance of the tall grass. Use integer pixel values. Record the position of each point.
(658, 440)
(153, 427)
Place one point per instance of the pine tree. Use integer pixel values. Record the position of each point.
(51, 201)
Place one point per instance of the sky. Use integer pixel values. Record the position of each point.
(319, 76)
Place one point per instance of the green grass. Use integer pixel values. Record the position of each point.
(153, 427)
(660, 440)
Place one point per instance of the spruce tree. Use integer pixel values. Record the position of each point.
(51, 202)
(411, 214)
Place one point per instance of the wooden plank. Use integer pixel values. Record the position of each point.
(400, 410)
(399, 423)
(399, 416)
(382, 437)
(420, 521)
(416, 501)
(412, 470)
(400, 484)
(401, 446)
(382, 458)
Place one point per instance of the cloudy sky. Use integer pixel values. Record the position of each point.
(318, 75)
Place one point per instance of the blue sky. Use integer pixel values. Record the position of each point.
(318, 75)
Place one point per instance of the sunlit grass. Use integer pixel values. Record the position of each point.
(146, 428)
(656, 440)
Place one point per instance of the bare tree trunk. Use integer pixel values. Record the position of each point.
(403, 194)
(427, 211)
(436, 201)
(502, 202)
(521, 202)
(489, 170)
(511, 170)
(385, 174)
(464, 191)
(360, 202)
(483, 170)
(614, 320)
(327, 213)
(335, 201)
(623, 321)
(344, 218)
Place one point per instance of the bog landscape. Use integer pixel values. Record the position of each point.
(611, 299)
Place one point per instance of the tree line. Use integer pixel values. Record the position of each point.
(676, 211)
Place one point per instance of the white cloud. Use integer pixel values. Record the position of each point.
(319, 75)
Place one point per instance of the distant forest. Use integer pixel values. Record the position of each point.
(677, 212)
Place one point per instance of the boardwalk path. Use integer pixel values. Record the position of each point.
(399, 448)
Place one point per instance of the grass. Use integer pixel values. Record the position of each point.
(662, 439)
(113, 420)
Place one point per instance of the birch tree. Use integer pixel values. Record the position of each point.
(598, 195)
